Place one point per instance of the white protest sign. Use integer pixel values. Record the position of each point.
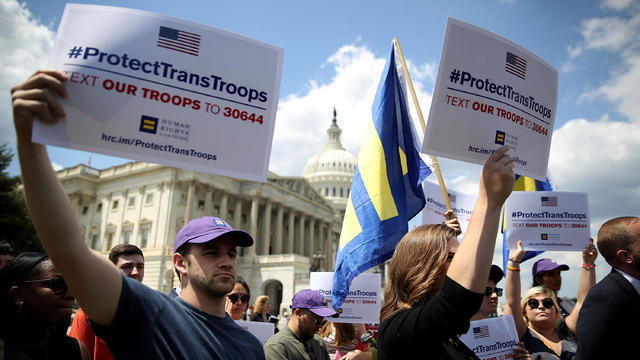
(262, 330)
(493, 338)
(547, 220)
(491, 92)
(362, 305)
(433, 212)
(155, 88)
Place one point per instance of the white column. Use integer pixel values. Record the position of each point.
(291, 237)
(208, 202)
(301, 236)
(237, 215)
(311, 244)
(224, 205)
(266, 233)
(188, 211)
(279, 225)
(255, 204)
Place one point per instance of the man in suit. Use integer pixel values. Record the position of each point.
(616, 299)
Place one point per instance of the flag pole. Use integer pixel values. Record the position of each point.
(436, 166)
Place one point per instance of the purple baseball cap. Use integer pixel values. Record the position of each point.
(546, 265)
(312, 300)
(204, 229)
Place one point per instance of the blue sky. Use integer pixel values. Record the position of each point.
(334, 54)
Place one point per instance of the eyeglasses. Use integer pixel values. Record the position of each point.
(56, 284)
(489, 290)
(534, 303)
(235, 297)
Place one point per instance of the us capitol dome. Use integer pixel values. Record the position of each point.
(331, 171)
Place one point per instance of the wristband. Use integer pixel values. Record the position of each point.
(588, 267)
(514, 269)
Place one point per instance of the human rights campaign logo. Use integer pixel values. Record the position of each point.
(148, 124)
(544, 236)
(500, 137)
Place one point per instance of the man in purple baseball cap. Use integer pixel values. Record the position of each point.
(135, 321)
(299, 339)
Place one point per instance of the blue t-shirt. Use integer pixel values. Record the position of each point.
(151, 325)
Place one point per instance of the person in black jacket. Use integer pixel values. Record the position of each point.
(614, 301)
(432, 294)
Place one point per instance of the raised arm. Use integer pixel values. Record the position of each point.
(587, 281)
(471, 264)
(512, 289)
(94, 281)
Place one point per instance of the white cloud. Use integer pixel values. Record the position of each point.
(302, 119)
(616, 4)
(619, 36)
(56, 166)
(609, 33)
(601, 159)
(622, 88)
(24, 47)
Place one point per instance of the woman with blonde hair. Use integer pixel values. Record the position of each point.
(261, 309)
(432, 294)
(538, 317)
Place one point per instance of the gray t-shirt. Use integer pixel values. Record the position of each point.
(151, 325)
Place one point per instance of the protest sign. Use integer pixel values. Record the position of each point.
(462, 205)
(155, 88)
(361, 306)
(262, 330)
(491, 92)
(493, 338)
(547, 220)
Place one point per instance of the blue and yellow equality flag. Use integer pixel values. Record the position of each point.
(523, 183)
(386, 191)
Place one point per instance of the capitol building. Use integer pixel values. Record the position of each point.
(295, 221)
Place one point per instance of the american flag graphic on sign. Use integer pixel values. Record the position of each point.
(179, 40)
(549, 201)
(516, 65)
(481, 332)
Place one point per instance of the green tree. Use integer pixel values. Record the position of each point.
(15, 225)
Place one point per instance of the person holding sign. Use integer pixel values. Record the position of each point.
(194, 325)
(432, 294)
(541, 327)
(615, 301)
(546, 272)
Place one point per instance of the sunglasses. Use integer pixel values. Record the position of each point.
(318, 321)
(235, 297)
(450, 256)
(534, 303)
(489, 290)
(56, 284)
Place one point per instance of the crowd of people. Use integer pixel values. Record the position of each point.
(436, 284)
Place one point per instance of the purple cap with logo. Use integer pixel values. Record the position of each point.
(312, 300)
(547, 265)
(204, 229)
